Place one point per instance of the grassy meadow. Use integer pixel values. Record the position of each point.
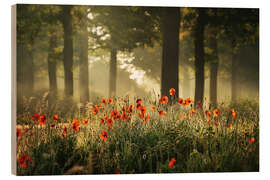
(126, 136)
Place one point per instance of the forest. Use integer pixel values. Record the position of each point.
(134, 89)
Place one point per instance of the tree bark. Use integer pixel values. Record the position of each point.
(170, 51)
(28, 79)
(84, 73)
(199, 56)
(68, 51)
(213, 66)
(25, 71)
(234, 73)
(113, 73)
(52, 63)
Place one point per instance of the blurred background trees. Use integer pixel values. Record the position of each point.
(82, 52)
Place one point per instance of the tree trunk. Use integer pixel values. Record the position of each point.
(234, 73)
(170, 51)
(25, 72)
(28, 74)
(199, 56)
(68, 50)
(84, 74)
(113, 73)
(52, 63)
(213, 66)
(20, 79)
(186, 84)
(52, 67)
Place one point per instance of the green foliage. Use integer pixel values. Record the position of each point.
(122, 28)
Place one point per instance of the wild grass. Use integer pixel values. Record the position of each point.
(197, 142)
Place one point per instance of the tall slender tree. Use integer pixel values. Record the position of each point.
(28, 26)
(113, 73)
(83, 56)
(68, 50)
(213, 65)
(199, 55)
(234, 71)
(170, 51)
(52, 61)
(121, 29)
(240, 26)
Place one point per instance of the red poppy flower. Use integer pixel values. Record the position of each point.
(147, 118)
(109, 123)
(95, 111)
(104, 100)
(102, 120)
(139, 101)
(251, 140)
(233, 113)
(64, 132)
(163, 100)
(229, 126)
(53, 125)
(188, 101)
(125, 116)
(35, 117)
(141, 115)
(104, 136)
(124, 109)
(75, 125)
(172, 91)
(184, 103)
(85, 121)
(143, 109)
(110, 101)
(115, 114)
(162, 113)
(56, 117)
(172, 162)
(180, 101)
(207, 113)
(24, 160)
(199, 104)
(130, 108)
(216, 113)
(139, 106)
(18, 132)
(42, 119)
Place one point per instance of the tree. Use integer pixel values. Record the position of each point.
(213, 65)
(241, 27)
(68, 49)
(121, 29)
(52, 61)
(81, 31)
(28, 26)
(52, 32)
(113, 73)
(170, 51)
(199, 55)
